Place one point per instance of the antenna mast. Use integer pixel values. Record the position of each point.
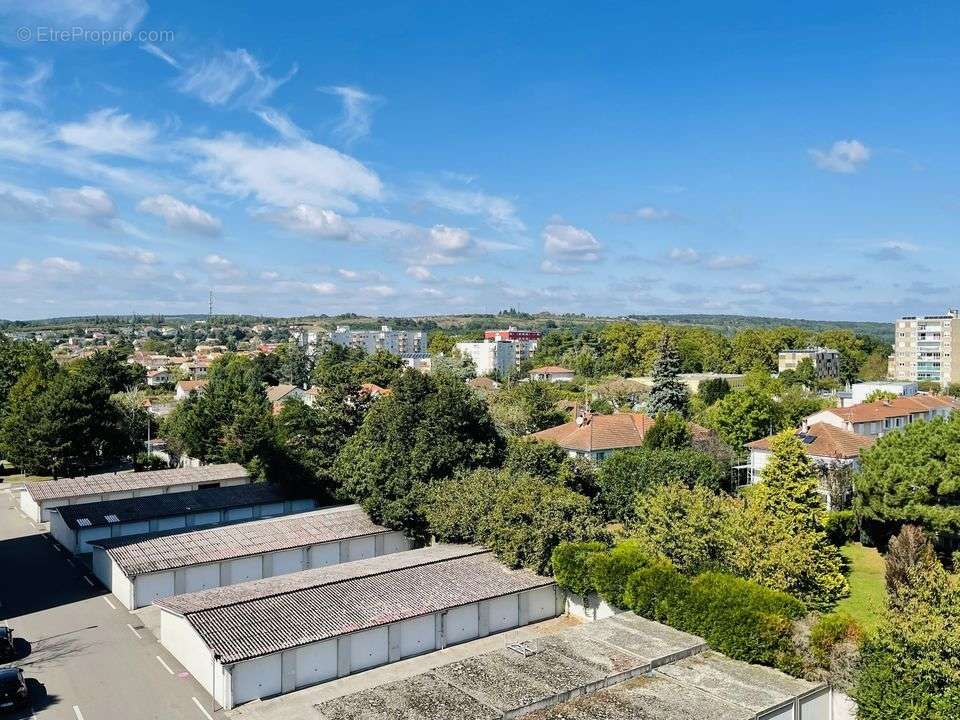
(210, 310)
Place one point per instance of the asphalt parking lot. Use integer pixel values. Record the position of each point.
(84, 655)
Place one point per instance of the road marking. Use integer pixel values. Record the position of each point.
(89, 581)
(165, 666)
(134, 631)
(107, 601)
(205, 713)
(76, 711)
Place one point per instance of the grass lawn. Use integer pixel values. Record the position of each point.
(867, 588)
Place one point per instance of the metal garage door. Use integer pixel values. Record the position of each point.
(153, 587)
(816, 706)
(323, 555)
(368, 649)
(206, 518)
(255, 679)
(417, 635)
(134, 528)
(302, 505)
(202, 577)
(541, 604)
(248, 568)
(462, 624)
(316, 663)
(271, 509)
(395, 542)
(361, 548)
(171, 523)
(287, 561)
(782, 713)
(84, 537)
(504, 613)
(240, 513)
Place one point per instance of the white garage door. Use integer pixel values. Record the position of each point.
(542, 603)
(301, 505)
(255, 679)
(504, 613)
(395, 542)
(287, 561)
(142, 493)
(323, 555)
(417, 635)
(462, 623)
(271, 509)
(124, 494)
(90, 534)
(240, 513)
(316, 663)
(243, 569)
(816, 707)
(153, 587)
(202, 577)
(171, 523)
(368, 649)
(179, 488)
(783, 713)
(135, 528)
(361, 548)
(206, 518)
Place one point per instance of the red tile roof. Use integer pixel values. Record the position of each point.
(551, 369)
(606, 432)
(898, 407)
(824, 440)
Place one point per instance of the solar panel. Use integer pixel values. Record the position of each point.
(83, 522)
(111, 518)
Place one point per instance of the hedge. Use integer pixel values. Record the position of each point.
(610, 570)
(841, 527)
(571, 569)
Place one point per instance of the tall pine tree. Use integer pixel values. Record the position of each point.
(669, 394)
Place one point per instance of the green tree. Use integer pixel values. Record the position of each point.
(381, 368)
(426, 429)
(742, 416)
(668, 393)
(880, 394)
(712, 390)
(527, 407)
(440, 343)
(669, 431)
(874, 367)
(109, 369)
(293, 365)
(909, 667)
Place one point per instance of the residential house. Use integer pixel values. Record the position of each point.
(162, 376)
(878, 418)
(552, 373)
(598, 436)
(185, 388)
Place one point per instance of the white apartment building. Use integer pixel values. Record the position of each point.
(396, 342)
(826, 361)
(927, 348)
(490, 356)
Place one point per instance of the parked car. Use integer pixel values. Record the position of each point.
(13, 689)
(7, 649)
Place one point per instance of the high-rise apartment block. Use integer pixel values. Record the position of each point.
(927, 348)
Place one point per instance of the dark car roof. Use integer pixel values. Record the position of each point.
(4, 630)
(8, 673)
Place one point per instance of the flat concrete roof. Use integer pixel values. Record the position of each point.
(118, 482)
(343, 604)
(145, 507)
(139, 554)
(620, 668)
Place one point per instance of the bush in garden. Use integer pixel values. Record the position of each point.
(841, 526)
(831, 631)
(610, 570)
(652, 590)
(571, 568)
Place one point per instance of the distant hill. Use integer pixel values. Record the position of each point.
(726, 324)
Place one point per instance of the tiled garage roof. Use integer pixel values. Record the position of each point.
(113, 482)
(143, 554)
(350, 597)
(169, 504)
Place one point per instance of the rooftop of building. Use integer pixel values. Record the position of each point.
(897, 407)
(140, 554)
(812, 349)
(118, 482)
(551, 369)
(649, 670)
(261, 617)
(825, 441)
(606, 432)
(108, 512)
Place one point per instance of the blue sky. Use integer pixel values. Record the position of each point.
(412, 158)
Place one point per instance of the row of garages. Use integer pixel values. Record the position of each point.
(142, 570)
(274, 636)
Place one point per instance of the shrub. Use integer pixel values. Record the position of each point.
(829, 632)
(841, 526)
(570, 565)
(652, 590)
(610, 570)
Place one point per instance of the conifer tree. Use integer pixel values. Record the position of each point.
(669, 394)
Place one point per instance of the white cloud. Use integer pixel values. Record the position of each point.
(60, 264)
(728, 262)
(844, 156)
(65, 14)
(312, 221)
(551, 268)
(449, 239)
(158, 52)
(26, 89)
(234, 76)
(110, 132)
(382, 291)
(752, 288)
(215, 260)
(18, 203)
(892, 250)
(87, 203)
(684, 255)
(323, 288)
(497, 211)
(128, 253)
(570, 243)
(474, 280)
(285, 175)
(280, 122)
(357, 112)
(179, 215)
(359, 275)
(269, 275)
(419, 272)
